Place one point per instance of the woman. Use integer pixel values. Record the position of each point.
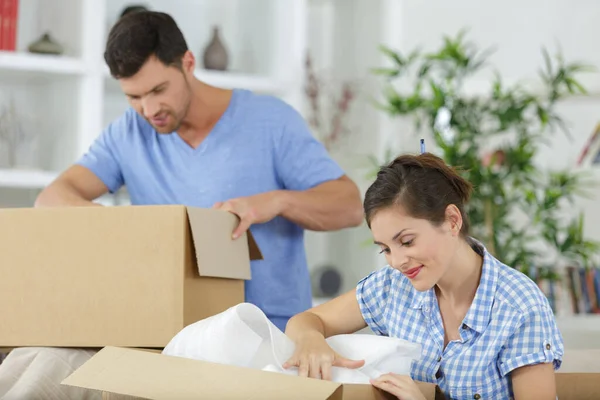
(486, 330)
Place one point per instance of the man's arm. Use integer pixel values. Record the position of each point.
(96, 173)
(329, 206)
(77, 186)
(315, 193)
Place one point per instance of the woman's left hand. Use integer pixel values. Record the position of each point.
(401, 386)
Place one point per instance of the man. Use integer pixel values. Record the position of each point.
(185, 142)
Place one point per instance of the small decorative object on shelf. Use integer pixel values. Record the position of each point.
(133, 8)
(46, 45)
(15, 140)
(326, 281)
(215, 54)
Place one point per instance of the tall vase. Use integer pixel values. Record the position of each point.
(215, 53)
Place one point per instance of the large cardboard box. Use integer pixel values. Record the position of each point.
(125, 374)
(116, 276)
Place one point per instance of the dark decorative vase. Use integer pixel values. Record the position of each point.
(215, 54)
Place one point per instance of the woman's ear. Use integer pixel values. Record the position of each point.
(454, 219)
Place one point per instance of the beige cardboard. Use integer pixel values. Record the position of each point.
(125, 374)
(132, 372)
(580, 375)
(578, 386)
(210, 228)
(116, 276)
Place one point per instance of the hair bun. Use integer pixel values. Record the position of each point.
(429, 161)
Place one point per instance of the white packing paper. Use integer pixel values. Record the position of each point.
(244, 336)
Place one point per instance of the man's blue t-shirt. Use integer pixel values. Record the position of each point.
(260, 144)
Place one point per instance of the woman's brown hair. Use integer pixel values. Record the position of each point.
(423, 185)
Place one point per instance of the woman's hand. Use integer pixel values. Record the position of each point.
(314, 358)
(401, 386)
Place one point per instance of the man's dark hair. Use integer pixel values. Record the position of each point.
(137, 36)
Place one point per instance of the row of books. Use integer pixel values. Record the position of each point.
(9, 11)
(576, 292)
(583, 286)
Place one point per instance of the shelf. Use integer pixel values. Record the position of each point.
(39, 65)
(25, 179)
(228, 80)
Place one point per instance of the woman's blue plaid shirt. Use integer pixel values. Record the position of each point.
(509, 325)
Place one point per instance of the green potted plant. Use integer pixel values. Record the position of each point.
(518, 208)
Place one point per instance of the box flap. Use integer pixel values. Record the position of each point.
(160, 377)
(217, 254)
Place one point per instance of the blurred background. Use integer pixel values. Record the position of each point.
(509, 91)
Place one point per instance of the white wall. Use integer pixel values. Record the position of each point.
(518, 27)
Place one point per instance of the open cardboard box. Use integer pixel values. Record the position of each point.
(133, 373)
(122, 373)
(131, 276)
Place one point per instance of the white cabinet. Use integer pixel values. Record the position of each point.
(63, 102)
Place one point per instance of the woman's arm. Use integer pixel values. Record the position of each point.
(338, 316)
(532, 353)
(308, 330)
(534, 382)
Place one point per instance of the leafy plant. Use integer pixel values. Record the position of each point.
(517, 209)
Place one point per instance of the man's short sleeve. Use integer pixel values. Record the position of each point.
(372, 294)
(101, 158)
(302, 161)
(536, 340)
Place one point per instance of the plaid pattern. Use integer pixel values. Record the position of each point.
(509, 325)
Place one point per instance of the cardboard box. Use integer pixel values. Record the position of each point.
(132, 373)
(116, 276)
(124, 374)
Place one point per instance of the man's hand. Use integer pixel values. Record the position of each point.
(401, 386)
(255, 209)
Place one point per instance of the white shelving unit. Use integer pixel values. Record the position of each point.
(68, 100)
(40, 64)
(34, 179)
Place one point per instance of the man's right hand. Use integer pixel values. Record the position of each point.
(314, 357)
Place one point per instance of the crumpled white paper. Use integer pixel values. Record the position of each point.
(244, 336)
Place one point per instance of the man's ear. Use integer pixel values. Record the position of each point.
(454, 219)
(188, 62)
